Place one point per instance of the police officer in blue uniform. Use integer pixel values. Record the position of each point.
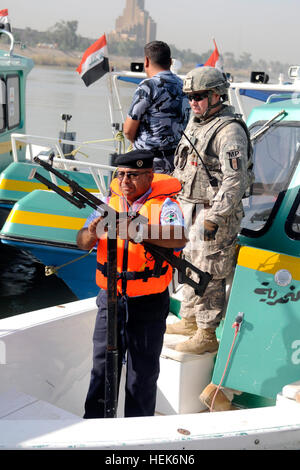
(159, 110)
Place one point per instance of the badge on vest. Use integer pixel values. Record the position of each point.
(234, 159)
(170, 217)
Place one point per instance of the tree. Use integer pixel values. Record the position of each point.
(64, 34)
(229, 60)
(245, 60)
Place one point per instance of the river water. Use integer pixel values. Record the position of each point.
(50, 93)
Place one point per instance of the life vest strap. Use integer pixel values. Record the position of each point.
(133, 275)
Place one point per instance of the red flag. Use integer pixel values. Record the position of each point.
(4, 19)
(94, 63)
(4, 13)
(215, 58)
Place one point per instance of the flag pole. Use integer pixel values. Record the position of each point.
(110, 87)
(110, 94)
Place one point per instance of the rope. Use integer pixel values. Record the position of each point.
(119, 137)
(49, 270)
(236, 325)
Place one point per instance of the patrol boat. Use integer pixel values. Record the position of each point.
(17, 149)
(14, 70)
(45, 361)
(45, 371)
(46, 225)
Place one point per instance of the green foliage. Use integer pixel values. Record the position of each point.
(188, 56)
(63, 36)
(125, 48)
(31, 37)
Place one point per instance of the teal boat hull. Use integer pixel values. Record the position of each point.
(46, 226)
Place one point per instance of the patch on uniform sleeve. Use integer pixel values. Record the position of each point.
(234, 157)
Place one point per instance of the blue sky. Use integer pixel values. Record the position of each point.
(267, 29)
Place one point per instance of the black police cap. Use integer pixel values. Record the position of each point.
(137, 159)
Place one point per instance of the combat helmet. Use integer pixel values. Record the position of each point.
(207, 79)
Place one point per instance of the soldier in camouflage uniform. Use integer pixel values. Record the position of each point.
(159, 110)
(213, 162)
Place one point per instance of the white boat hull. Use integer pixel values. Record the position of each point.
(271, 428)
(45, 360)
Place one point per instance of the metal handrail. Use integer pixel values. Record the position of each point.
(12, 40)
(95, 169)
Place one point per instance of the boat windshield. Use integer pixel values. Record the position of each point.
(274, 154)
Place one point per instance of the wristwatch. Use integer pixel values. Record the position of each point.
(139, 235)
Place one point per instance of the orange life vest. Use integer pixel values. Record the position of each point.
(134, 267)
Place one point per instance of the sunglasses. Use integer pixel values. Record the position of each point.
(130, 174)
(197, 96)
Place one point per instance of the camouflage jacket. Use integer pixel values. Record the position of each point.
(224, 146)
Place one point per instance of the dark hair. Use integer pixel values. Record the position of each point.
(159, 53)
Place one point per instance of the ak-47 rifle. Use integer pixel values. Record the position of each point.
(80, 197)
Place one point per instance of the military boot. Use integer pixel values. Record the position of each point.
(204, 340)
(219, 401)
(182, 327)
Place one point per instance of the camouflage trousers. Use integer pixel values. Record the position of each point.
(218, 257)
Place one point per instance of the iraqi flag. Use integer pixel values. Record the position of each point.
(4, 21)
(215, 60)
(94, 63)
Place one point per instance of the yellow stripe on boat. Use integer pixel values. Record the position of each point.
(6, 147)
(45, 220)
(28, 186)
(268, 261)
(16, 185)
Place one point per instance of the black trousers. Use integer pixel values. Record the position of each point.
(141, 328)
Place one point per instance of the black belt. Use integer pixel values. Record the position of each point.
(132, 275)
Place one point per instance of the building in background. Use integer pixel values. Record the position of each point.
(135, 24)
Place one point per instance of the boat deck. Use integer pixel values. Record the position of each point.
(15, 405)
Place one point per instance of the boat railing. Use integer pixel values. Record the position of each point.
(282, 96)
(238, 89)
(54, 145)
(242, 95)
(117, 114)
(12, 40)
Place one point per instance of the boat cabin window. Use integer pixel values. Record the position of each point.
(296, 223)
(2, 105)
(274, 155)
(293, 221)
(13, 101)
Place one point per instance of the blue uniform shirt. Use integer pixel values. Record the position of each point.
(163, 109)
